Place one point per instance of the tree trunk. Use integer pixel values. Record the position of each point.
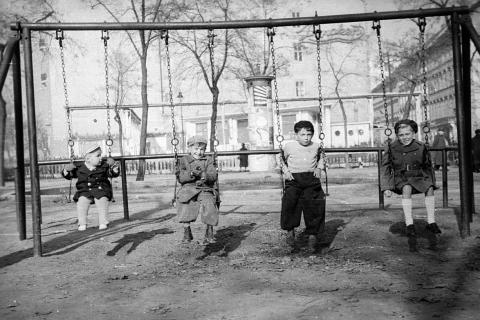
(408, 104)
(213, 119)
(3, 125)
(143, 129)
(120, 131)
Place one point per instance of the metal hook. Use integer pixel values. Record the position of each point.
(317, 31)
(271, 33)
(164, 35)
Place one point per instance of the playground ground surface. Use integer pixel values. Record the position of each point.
(139, 269)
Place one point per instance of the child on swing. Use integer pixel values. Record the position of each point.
(302, 168)
(92, 185)
(197, 195)
(407, 170)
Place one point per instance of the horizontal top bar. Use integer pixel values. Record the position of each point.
(236, 24)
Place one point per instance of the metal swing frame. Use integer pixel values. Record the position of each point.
(462, 32)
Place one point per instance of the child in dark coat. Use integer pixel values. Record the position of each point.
(92, 185)
(407, 169)
(197, 194)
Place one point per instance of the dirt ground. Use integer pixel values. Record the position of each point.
(139, 269)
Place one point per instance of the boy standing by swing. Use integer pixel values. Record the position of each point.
(92, 185)
(302, 166)
(197, 195)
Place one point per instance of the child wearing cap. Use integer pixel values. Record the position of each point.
(407, 169)
(92, 185)
(197, 195)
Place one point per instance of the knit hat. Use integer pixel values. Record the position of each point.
(93, 149)
(196, 140)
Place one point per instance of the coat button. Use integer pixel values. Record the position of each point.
(89, 188)
(89, 184)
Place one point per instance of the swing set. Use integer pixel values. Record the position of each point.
(462, 32)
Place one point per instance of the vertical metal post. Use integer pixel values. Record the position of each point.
(444, 179)
(20, 169)
(467, 106)
(32, 141)
(123, 171)
(381, 203)
(463, 153)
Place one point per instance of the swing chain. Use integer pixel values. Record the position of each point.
(321, 135)
(174, 142)
(60, 37)
(426, 127)
(109, 142)
(388, 132)
(279, 138)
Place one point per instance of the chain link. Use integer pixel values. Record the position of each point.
(280, 138)
(426, 127)
(174, 141)
(211, 47)
(109, 142)
(70, 143)
(321, 135)
(388, 132)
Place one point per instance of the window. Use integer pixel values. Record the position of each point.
(223, 132)
(288, 121)
(297, 52)
(201, 129)
(300, 88)
(43, 79)
(242, 130)
(337, 133)
(350, 132)
(42, 45)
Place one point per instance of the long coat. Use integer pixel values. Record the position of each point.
(92, 183)
(192, 186)
(439, 141)
(407, 165)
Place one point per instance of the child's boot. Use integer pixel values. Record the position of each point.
(187, 234)
(291, 237)
(412, 238)
(209, 234)
(312, 242)
(433, 228)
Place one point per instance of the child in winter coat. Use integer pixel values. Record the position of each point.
(92, 185)
(197, 195)
(407, 169)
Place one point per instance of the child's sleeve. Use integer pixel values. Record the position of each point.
(387, 181)
(69, 175)
(282, 158)
(113, 173)
(184, 174)
(211, 174)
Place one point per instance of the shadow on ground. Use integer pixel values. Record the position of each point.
(227, 240)
(76, 239)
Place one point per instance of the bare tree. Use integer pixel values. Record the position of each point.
(337, 67)
(122, 66)
(210, 53)
(142, 11)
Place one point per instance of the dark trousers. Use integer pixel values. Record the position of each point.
(304, 193)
